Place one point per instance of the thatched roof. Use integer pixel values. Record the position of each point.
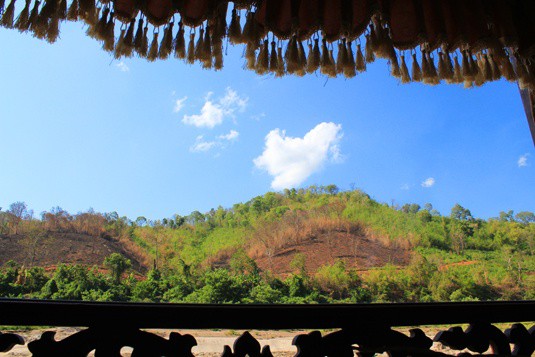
(467, 42)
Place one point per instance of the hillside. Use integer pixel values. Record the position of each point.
(309, 245)
(67, 248)
(356, 251)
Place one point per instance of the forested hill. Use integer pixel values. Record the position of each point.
(327, 237)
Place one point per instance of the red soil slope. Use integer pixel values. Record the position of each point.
(69, 248)
(359, 252)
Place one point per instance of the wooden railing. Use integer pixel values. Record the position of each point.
(364, 329)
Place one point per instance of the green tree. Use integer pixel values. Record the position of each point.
(410, 208)
(336, 280)
(141, 221)
(525, 217)
(117, 265)
(241, 263)
(298, 264)
(506, 216)
(332, 189)
(460, 213)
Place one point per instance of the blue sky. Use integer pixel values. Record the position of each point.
(79, 129)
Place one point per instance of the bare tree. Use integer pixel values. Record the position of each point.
(17, 211)
(34, 241)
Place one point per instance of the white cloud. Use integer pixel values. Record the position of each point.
(211, 115)
(405, 187)
(201, 145)
(336, 154)
(232, 135)
(258, 117)
(179, 104)
(292, 160)
(523, 160)
(214, 112)
(429, 182)
(220, 142)
(232, 101)
(122, 67)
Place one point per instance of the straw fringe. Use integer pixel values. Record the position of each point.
(314, 58)
(442, 70)
(180, 43)
(496, 72)
(250, 55)
(426, 71)
(109, 32)
(341, 57)
(331, 68)
(508, 70)
(434, 79)
(480, 74)
(372, 41)
(280, 62)
(199, 46)
(487, 69)
(273, 60)
(72, 12)
(86, 9)
(250, 30)
(153, 51)
(308, 67)
(350, 66)
(52, 33)
(217, 50)
(394, 66)
(166, 45)
(302, 59)
(262, 61)
(467, 73)
(457, 74)
(263, 55)
(325, 62)
(449, 67)
(521, 72)
(97, 30)
(416, 70)
(118, 53)
(405, 77)
(34, 14)
(291, 56)
(190, 57)
(128, 42)
(138, 39)
(41, 26)
(62, 14)
(22, 20)
(8, 16)
(474, 68)
(144, 50)
(219, 29)
(360, 62)
(234, 30)
(206, 53)
(370, 57)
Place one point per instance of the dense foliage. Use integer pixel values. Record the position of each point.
(211, 257)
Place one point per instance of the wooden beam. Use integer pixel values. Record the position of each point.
(528, 99)
(227, 316)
